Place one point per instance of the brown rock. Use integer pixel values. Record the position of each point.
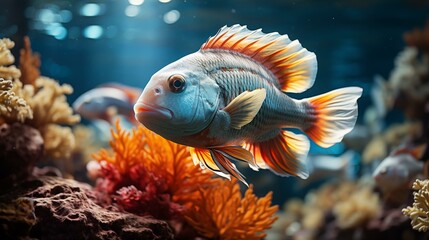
(57, 208)
(21, 146)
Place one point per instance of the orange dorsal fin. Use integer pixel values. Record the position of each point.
(219, 160)
(417, 152)
(294, 66)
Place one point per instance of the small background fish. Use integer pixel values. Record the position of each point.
(107, 101)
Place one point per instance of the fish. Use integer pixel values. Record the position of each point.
(106, 101)
(399, 168)
(227, 102)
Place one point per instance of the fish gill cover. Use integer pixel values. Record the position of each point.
(148, 175)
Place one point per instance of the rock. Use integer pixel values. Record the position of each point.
(21, 146)
(57, 208)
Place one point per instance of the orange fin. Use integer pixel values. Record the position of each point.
(285, 154)
(417, 151)
(131, 92)
(244, 107)
(219, 159)
(335, 115)
(294, 66)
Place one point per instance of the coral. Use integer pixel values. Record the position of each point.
(6, 58)
(21, 147)
(161, 172)
(29, 64)
(87, 145)
(147, 174)
(59, 141)
(418, 38)
(57, 208)
(50, 105)
(362, 206)
(12, 106)
(222, 213)
(419, 212)
(393, 136)
(50, 112)
(41, 103)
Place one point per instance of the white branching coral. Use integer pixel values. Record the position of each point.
(419, 212)
(12, 106)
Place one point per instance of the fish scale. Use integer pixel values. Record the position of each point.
(277, 110)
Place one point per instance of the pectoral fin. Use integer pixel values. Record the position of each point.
(244, 107)
(219, 160)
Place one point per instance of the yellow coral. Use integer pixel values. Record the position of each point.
(87, 145)
(419, 212)
(360, 207)
(12, 107)
(222, 213)
(6, 58)
(59, 141)
(50, 105)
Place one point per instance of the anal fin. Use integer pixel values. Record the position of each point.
(285, 154)
(219, 160)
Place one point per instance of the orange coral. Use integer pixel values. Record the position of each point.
(222, 213)
(29, 64)
(144, 164)
(418, 38)
(167, 159)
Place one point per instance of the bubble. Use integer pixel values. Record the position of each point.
(171, 16)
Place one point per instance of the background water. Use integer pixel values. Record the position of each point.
(87, 43)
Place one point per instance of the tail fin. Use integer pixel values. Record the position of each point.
(335, 115)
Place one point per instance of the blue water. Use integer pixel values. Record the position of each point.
(87, 45)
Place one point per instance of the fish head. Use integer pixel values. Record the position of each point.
(95, 103)
(179, 100)
(391, 174)
(90, 105)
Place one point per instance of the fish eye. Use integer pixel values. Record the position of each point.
(176, 83)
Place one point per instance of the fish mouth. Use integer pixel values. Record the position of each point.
(143, 110)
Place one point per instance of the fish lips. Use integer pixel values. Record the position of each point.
(149, 112)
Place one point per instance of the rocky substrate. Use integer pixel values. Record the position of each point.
(55, 208)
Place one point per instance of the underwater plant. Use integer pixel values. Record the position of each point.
(419, 212)
(146, 174)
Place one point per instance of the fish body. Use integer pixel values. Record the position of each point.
(398, 169)
(103, 102)
(227, 102)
